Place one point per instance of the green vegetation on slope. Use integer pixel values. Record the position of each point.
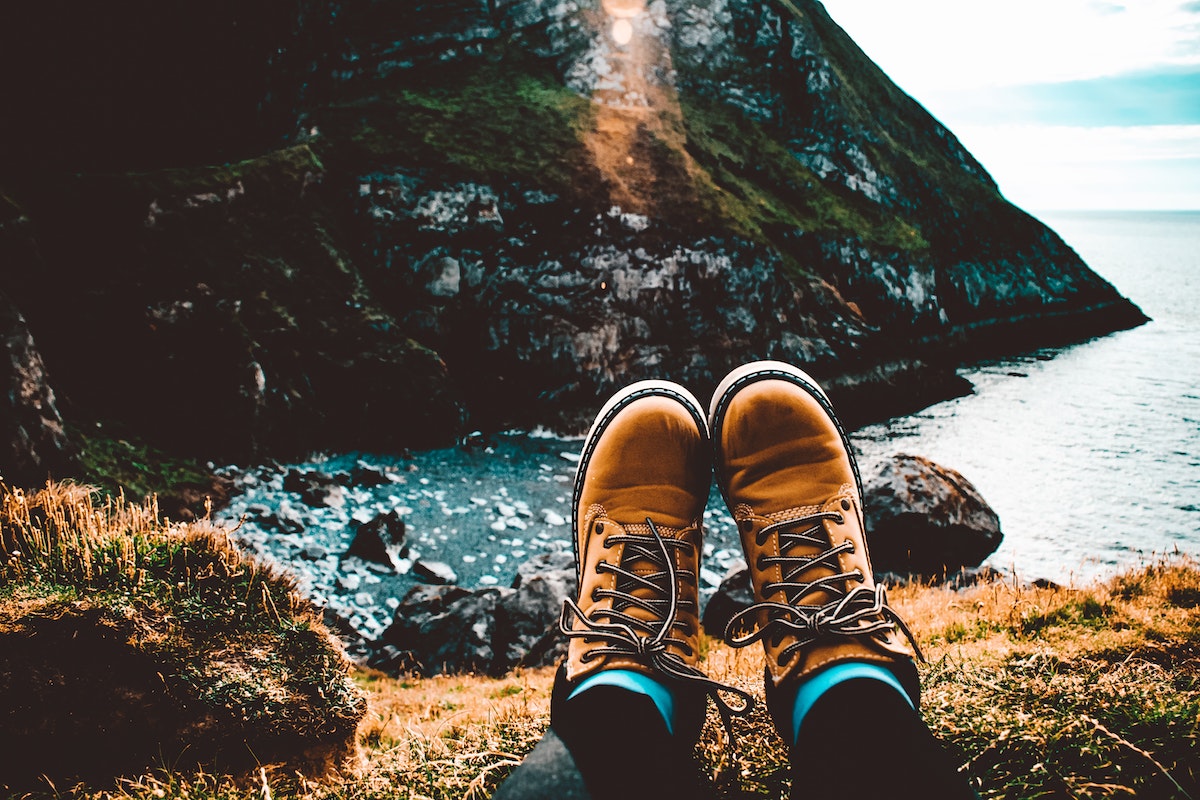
(762, 191)
(506, 117)
(489, 120)
(127, 464)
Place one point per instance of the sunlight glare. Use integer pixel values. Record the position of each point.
(622, 31)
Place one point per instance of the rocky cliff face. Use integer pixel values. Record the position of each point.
(493, 212)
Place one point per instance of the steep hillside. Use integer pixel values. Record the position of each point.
(485, 213)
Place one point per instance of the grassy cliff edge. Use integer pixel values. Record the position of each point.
(1089, 691)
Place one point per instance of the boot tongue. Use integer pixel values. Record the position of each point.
(635, 560)
(799, 542)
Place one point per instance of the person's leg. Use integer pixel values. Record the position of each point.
(841, 681)
(605, 742)
(863, 738)
(629, 701)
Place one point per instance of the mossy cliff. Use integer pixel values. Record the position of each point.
(490, 213)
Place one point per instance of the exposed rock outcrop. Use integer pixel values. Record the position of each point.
(380, 540)
(33, 443)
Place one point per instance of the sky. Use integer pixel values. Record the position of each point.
(1069, 104)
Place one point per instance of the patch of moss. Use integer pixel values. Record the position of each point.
(507, 117)
(284, 167)
(118, 464)
(763, 191)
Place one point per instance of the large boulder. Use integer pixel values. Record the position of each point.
(447, 629)
(926, 519)
(33, 443)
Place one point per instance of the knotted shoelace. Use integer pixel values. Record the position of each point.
(648, 640)
(856, 612)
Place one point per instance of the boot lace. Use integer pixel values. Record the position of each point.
(860, 611)
(627, 635)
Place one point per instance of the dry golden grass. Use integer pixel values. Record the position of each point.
(1072, 692)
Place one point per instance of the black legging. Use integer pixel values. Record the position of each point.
(860, 739)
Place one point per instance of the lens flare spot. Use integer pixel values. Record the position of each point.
(622, 31)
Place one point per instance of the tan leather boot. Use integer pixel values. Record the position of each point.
(640, 490)
(784, 466)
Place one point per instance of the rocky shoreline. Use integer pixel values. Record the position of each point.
(459, 559)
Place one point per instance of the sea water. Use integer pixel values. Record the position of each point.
(1090, 454)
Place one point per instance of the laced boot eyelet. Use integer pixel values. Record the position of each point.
(845, 504)
(599, 528)
(758, 563)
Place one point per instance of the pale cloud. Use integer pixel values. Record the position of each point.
(981, 67)
(1044, 167)
(932, 45)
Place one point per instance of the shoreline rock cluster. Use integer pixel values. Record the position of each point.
(406, 600)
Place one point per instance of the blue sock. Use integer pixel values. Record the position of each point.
(635, 682)
(812, 689)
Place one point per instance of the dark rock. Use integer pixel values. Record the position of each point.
(329, 495)
(442, 636)
(366, 476)
(297, 480)
(450, 629)
(377, 539)
(434, 572)
(284, 519)
(529, 633)
(733, 595)
(316, 488)
(33, 443)
(926, 519)
(189, 501)
(556, 565)
(430, 599)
